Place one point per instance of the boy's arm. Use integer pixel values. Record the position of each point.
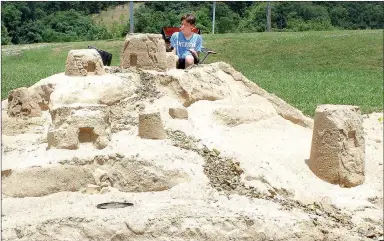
(174, 42)
(199, 44)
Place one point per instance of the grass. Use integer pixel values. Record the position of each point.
(310, 68)
(305, 69)
(34, 64)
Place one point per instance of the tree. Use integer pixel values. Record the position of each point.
(30, 32)
(254, 20)
(239, 7)
(204, 20)
(11, 17)
(339, 16)
(5, 39)
(28, 22)
(226, 20)
(301, 16)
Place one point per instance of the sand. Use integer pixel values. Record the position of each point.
(236, 169)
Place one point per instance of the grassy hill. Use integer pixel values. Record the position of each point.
(305, 69)
(114, 15)
(310, 68)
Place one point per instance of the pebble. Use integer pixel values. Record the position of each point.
(318, 212)
(216, 151)
(105, 190)
(92, 189)
(120, 155)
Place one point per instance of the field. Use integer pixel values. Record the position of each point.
(303, 68)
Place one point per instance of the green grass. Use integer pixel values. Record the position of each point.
(37, 63)
(305, 69)
(310, 68)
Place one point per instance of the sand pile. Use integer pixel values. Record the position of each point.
(231, 164)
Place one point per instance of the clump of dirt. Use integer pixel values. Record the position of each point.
(121, 117)
(124, 114)
(180, 139)
(114, 69)
(148, 87)
(223, 173)
(19, 125)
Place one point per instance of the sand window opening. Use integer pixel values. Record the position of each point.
(133, 60)
(91, 66)
(86, 134)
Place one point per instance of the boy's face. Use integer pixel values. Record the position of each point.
(186, 27)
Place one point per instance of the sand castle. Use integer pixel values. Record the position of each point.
(72, 125)
(84, 62)
(202, 154)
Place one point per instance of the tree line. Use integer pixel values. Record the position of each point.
(33, 22)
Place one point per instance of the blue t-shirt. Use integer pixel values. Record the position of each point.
(182, 45)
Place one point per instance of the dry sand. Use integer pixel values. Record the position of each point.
(236, 169)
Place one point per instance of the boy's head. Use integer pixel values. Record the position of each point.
(187, 23)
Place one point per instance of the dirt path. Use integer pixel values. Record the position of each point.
(11, 50)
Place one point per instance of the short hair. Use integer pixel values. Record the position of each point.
(190, 18)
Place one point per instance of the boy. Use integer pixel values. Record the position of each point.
(186, 43)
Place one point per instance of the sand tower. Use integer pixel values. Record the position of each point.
(338, 145)
(145, 51)
(84, 62)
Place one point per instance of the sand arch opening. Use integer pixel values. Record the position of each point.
(91, 67)
(87, 134)
(133, 59)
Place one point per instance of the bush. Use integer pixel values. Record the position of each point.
(299, 25)
(71, 26)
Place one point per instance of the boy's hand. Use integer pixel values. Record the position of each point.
(194, 53)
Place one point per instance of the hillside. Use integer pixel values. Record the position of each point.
(305, 69)
(114, 15)
(28, 22)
